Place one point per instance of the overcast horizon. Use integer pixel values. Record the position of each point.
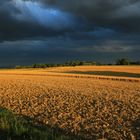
(52, 31)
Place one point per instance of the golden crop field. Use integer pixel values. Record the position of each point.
(131, 69)
(86, 107)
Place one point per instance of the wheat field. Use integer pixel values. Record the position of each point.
(131, 69)
(87, 107)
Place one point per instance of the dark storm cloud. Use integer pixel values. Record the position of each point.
(39, 31)
(12, 29)
(27, 52)
(22, 20)
(119, 14)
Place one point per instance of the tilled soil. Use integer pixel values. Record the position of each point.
(90, 108)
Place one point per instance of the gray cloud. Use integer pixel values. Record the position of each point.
(123, 15)
(57, 50)
(23, 19)
(48, 30)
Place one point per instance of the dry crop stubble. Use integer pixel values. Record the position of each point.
(89, 108)
(130, 69)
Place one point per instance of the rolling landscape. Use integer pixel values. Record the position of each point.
(71, 105)
(69, 69)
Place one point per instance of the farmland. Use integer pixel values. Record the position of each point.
(79, 105)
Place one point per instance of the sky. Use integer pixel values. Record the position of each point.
(57, 31)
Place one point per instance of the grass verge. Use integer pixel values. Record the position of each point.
(17, 128)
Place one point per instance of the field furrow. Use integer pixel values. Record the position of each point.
(89, 108)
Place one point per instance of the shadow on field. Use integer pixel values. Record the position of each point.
(107, 73)
(136, 128)
(14, 127)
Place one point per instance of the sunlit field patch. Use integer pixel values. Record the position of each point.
(79, 107)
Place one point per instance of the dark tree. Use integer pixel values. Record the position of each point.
(122, 61)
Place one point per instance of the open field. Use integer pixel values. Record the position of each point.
(127, 69)
(83, 107)
(120, 73)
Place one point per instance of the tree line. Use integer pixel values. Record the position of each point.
(122, 61)
(70, 63)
